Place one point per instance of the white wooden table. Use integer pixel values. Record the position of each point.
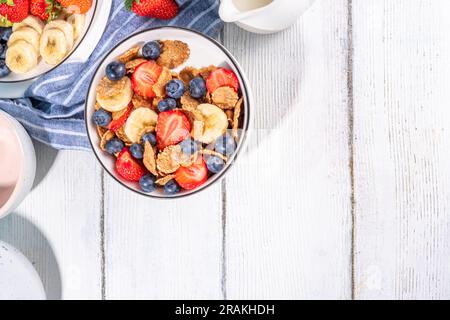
(344, 191)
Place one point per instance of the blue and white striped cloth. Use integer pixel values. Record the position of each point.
(53, 108)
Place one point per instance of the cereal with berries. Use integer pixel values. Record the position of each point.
(168, 130)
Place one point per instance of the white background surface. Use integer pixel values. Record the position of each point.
(344, 191)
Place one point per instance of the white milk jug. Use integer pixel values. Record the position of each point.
(263, 16)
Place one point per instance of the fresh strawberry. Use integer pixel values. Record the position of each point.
(192, 177)
(172, 127)
(13, 11)
(144, 77)
(118, 123)
(222, 78)
(159, 9)
(76, 6)
(46, 10)
(127, 167)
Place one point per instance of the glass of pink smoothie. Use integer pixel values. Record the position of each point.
(17, 164)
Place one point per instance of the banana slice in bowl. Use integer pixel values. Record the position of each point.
(32, 22)
(26, 34)
(66, 28)
(53, 47)
(114, 96)
(215, 123)
(21, 57)
(78, 22)
(138, 121)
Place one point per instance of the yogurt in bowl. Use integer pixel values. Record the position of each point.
(17, 164)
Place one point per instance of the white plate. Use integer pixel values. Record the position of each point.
(14, 85)
(204, 52)
(18, 279)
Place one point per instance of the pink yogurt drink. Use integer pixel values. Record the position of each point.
(11, 161)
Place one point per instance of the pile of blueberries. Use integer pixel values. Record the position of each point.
(5, 33)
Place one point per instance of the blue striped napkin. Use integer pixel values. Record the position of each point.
(53, 108)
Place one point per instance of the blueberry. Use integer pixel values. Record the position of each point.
(167, 104)
(5, 34)
(171, 188)
(197, 88)
(114, 146)
(102, 118)
(115, 71)
(215, 164)
(3, 48)
(175, 89)
(150, 137)
(147, 183)
(137, 151)
(151, 50)
(225, 145)
(189, 147)
(4, 70)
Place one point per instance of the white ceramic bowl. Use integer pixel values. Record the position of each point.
(18, 279)
(27, 166)
(42, 68)
(204, 52)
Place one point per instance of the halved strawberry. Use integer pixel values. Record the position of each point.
(117, 124)
(172, 127)
(128, 168)
(192, 177)
(144, 77)
(222, 78)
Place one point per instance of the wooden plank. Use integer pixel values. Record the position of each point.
(402, 150)
(159, 249)
(58, 226)
(288, 222)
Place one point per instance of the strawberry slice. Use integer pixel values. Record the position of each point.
(192, 177)
(222, 78)
(144, 77)
(172, 127)
(118, 123)
(128, 168)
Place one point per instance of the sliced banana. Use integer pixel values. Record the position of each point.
(53, 46)
(21, 57)
(26, 34)
(138, 120)
(77, 21)
(215, 123)
(32, 22)
(114, 96)
(66, 28)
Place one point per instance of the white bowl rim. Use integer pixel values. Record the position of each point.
(13, 199)
(241, 144)
(66, 58)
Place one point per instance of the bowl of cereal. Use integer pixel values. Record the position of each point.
(167, 112)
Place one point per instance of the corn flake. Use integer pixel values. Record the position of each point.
(225, 98)
(188, 103)
(149, 159)
(173, 53)
(165, 180)
(160, 86)
(108, 135)
(167, 161)
(237, 114)
(129, 55)
(141, 102)
(133, 64)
